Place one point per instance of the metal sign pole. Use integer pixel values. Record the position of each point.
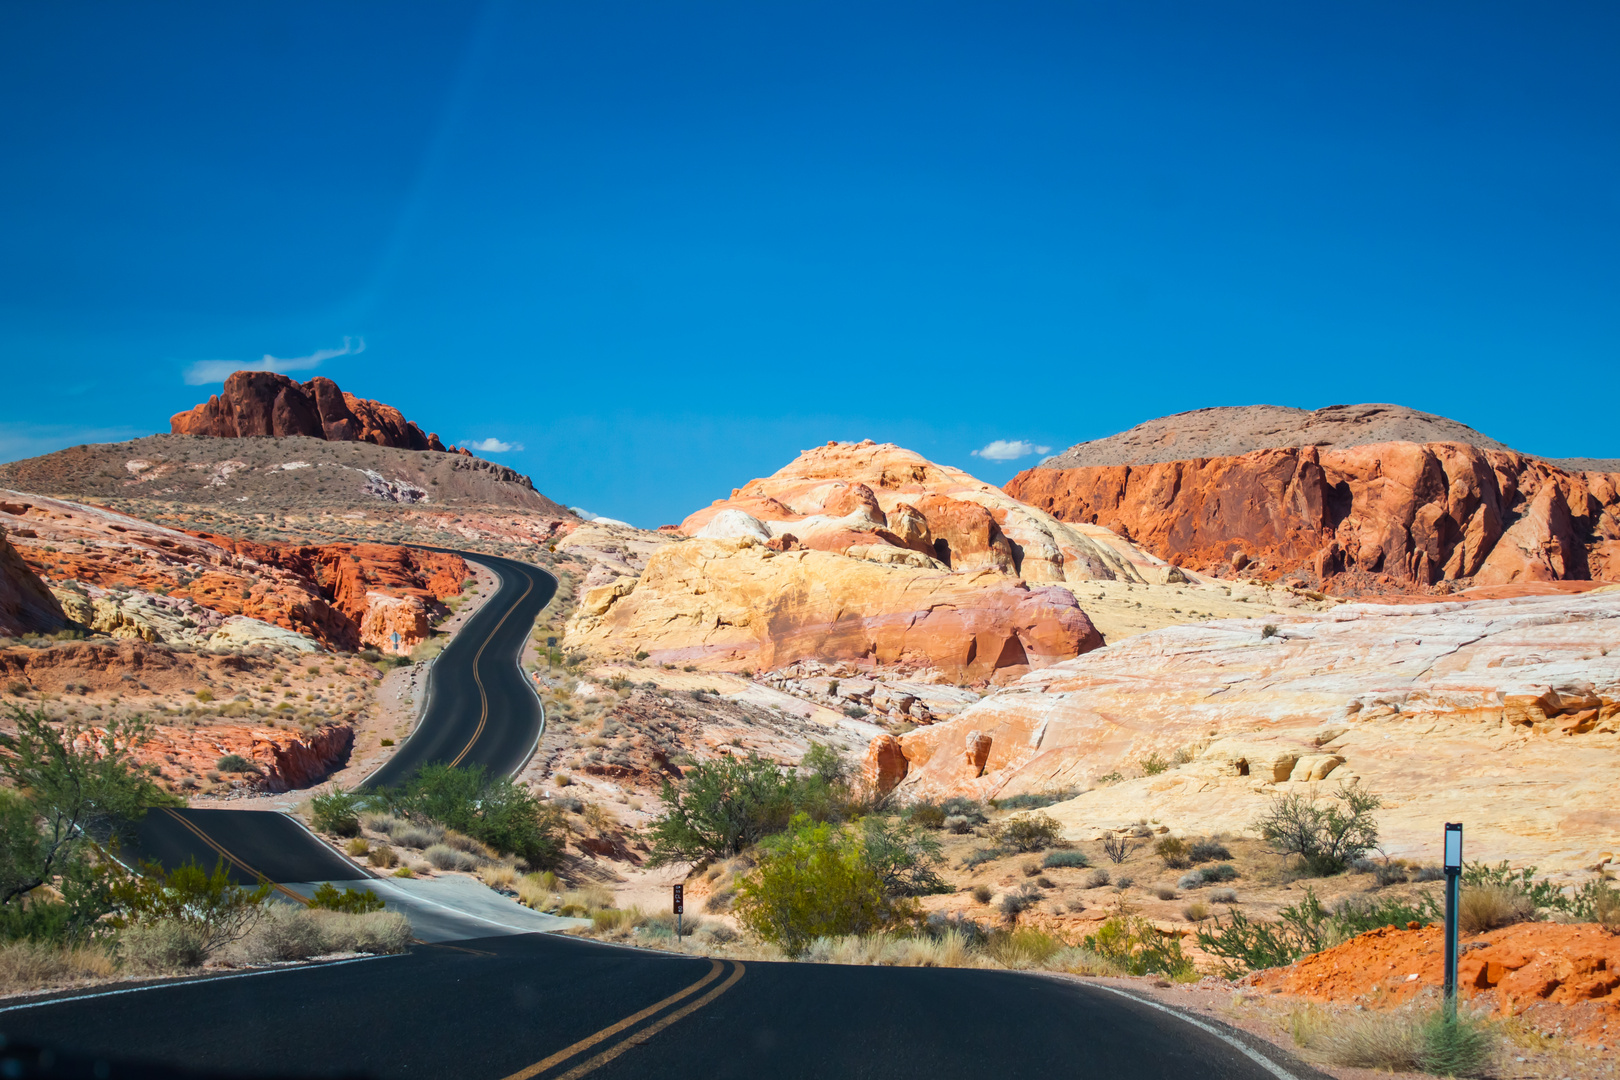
(1453, 867)
(680, 908)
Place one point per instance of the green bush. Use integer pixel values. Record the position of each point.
(1032, 801)
(500, 813)
(1029, 832)
(1139, 948)
(350, 901)
(904, 856)
(1173, 850)
(212, 906)
(71, 797)
(337, 812)
(980, 856)
(928, 815)
(1245, 945)
(720, 808)
(1065, 860)
(236, 763)
(1206, 850)
(813, 881)
(1153, 764)
(1327, 839)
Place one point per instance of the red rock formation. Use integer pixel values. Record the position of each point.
(26, 605)
(1390, 515)
(263, 403)
(884, 765)
(284, 759)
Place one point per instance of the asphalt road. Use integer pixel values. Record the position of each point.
(480, 711)
(542, 1007)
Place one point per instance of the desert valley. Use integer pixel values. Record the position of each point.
(1146, 642)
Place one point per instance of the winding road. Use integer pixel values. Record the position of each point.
(480, 711)
(538, 1006)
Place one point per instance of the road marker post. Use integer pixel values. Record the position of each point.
(1453, 867)
(680, 908)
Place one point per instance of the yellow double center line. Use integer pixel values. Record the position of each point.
(638, 1037)
(483, 698)
(231, 857)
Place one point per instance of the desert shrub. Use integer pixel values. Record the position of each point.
(1024, 947)
(1197, 911)
(1542, 894)
(1065, 860)
(1487, 907)
(980, 856)
(377, 932)
(33, 965)
(606, 920)
(1223, 896)
(720, 808)
(350, 901)
(419, 836)
(337, 812)
(904, 856)
(1597, 901)
(928, 815)
(213, 908)
(1190, 881)
(854, 712)
(1118, 847)
(824, 762)
(161, 946)
(1164, 892)
(1028, 832)
(1018, 901)
(534, 892)
(358, 847)
(964, 807)
(1139, 948)
(1245, 945)
(497, 812)
(1153, 764)
(386, 824)
(445, 857)
(1032, 801)
(1357, 915)
(1326, 838)
(982, 893)
(236, 763)
(383, 857)
(1207, 850)
(1097, 878)
(813, 881)
(720, 902)
(1173, 850)
(1406, 1040)
(498, 876)
(959, 824)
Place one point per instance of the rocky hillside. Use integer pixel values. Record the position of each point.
(126, 578)
(26, 605)
(263, 404)
(1351, 499)
(1501, 713)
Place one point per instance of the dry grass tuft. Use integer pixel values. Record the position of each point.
(498, 876)
(28, 965)
(1487, 907)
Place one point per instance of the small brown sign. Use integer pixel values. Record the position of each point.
(680, 899)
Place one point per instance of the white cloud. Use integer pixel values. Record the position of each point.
(580, 511)
(1005, 450)
(204, 372)
(493, 446)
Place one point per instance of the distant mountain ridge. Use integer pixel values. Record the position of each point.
(1227, 431)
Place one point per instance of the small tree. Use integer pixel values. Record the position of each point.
(214, 908)
(1327, 838)
(904, 856)
(720, 808)
(74, 793)
(337, 811)
(812, 881)
(1028, 832)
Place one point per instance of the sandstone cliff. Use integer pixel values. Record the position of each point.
(1365, 517)
(737, 603)
(26, 605)
(886, 504)
(265, 404)
(1500, 713)
(129, 578)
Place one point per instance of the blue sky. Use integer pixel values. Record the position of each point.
(664, 247)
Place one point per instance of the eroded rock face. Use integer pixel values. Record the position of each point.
(880, 502)
(283, 760)
(734, 604)
(129, 578)
(26, 605)
(1504, 713)
(265, 404)
(1395, 516)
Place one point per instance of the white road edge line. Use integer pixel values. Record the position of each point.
(187, 982)
(1260, 1059)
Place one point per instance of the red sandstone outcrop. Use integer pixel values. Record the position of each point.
(26, 605)
(322, 591)
(264, 403)
(1396, 515)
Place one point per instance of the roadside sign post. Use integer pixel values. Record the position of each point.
(396, 641)
(551, 644)
(680, 908)
(1453, 867)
